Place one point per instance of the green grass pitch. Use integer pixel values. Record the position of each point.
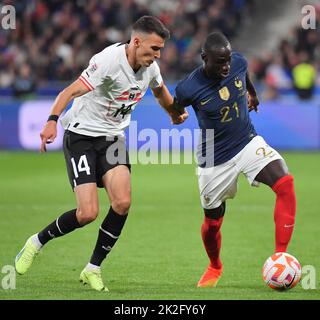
(160, 253)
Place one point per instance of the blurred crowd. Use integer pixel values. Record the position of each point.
(295, 64)
(54, 39)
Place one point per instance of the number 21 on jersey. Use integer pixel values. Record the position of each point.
(224, 111)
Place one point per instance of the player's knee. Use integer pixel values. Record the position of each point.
(284, 185)
(121, 205)
(216, 213)
(87, 214)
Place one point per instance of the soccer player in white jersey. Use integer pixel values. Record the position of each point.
(94, 146)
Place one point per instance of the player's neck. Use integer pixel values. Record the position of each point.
(131, 58)
(211, 76)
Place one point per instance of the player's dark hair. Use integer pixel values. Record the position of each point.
(150, 24)
(215, 40)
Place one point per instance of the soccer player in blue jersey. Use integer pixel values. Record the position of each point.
(222, 95)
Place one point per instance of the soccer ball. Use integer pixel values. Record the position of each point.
(281, 271)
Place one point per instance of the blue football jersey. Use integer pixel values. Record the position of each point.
(222, 106)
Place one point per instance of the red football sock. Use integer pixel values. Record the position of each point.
(285, 211)
(211, 237)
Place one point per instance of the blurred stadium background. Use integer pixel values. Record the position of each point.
(54, 40)
(50, 46)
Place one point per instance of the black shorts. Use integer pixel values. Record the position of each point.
(89, 158)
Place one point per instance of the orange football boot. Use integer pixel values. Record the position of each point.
(210, 278)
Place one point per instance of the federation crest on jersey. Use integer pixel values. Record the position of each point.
(238, 83)
(224, 93)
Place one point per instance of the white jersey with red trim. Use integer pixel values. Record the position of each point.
(115, 90)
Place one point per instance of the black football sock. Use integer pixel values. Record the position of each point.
(61, 226)
(109, 233)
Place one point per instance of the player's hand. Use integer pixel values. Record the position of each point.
(48, 134)
(178, 118)
(253, 103)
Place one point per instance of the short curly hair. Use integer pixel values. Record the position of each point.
(215, 40)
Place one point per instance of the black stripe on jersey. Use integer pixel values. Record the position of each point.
(122, 43)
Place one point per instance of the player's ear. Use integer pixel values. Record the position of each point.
(136, 41)
(203, 55)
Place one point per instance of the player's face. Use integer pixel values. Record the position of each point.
(218, 62)
(148, 49)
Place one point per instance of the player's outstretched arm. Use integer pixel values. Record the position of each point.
(49, 131)
(165, 99)
(253, 100)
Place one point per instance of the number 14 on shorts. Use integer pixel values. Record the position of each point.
(82, 166)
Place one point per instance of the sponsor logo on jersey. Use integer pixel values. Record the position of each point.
(132, 96)
(124, 110)
(205, 101)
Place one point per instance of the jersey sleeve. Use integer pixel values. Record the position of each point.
(156, 80)
(181, 96)
(94, 74)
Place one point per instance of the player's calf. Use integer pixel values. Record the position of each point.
(285, 211)
(211, 234)
(63, 225)
(109, 233)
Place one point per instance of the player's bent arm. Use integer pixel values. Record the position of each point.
(250, 87)
(74, 90)
(164, 97)
(167, 102)
(253, 100)
(49, 132)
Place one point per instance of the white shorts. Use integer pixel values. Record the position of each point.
(218, 183)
